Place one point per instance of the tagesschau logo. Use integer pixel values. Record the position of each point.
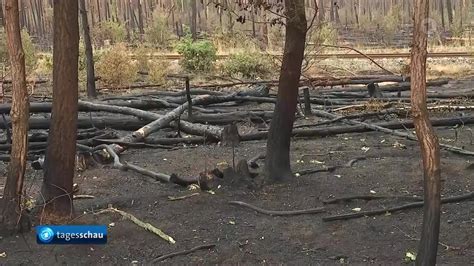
(71, 234)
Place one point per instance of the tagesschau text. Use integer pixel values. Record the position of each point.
(71, 234)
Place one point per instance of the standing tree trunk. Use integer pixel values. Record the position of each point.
(2, 20)
(91, 90)
(278, 145)
(264, 30)
(449, 9)
(193, 19)
(428, 140)
(141, 26)
(61, 151)
(12, 217)
(321, 10)
(441, 10)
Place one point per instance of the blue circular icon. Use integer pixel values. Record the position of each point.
(46, 235)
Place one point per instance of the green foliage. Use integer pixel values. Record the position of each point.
(108, 30)
(225, 41)
(157, 71)
(3, 48)
(199, 56)
(247, 65)
(116, 68)
(142, 55)
(324, 34)
(158, 32)
(28, 48)
(45, 65)
(391, 23)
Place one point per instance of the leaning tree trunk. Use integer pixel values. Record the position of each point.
(278, 145)
(12, 217)
(427, 137)
(91, 89)
(60, 154)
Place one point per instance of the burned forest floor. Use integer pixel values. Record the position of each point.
(371, 164)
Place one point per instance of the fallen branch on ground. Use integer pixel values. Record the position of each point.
(349, 164)
(171, 198)
(277, 213)
(348, 216)
(184, 252)
(124, 166)
(407, 135)
(370, 197)
(143, 225)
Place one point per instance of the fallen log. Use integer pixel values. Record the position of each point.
(165, 120)
(330, 131)
(102, 122)
(410, 136)
(174, 141)
(320, 81)
(45, 107)
(403, 86)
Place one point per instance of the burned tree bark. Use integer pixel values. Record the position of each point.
(278, 144)
(429, 144)
(91, 89)
(12, 216)
(61, 152)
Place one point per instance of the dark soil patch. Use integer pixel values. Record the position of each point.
(245, 237)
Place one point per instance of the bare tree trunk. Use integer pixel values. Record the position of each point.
(12, 217)
(264, 30)
(2, 20)
(449, 9)
(61, 151)
(91, 90)
(278, 144)
(441, 10)
(193, 19)
(427, 137)
(321, 10)
(140, 20)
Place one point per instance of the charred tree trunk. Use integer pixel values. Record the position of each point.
(278, 145)
(427, 137)
(91, 90)
(12, 217)
(60, 154)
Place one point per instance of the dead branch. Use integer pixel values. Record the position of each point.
(144, 225)
(184, 252)
(364, 55)
(370, 197)
(409, 136)
(277, 213)
(348, 216)
(171, 198)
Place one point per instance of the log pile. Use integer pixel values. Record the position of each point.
(222, 113)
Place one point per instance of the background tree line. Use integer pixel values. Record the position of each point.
(158, 21)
